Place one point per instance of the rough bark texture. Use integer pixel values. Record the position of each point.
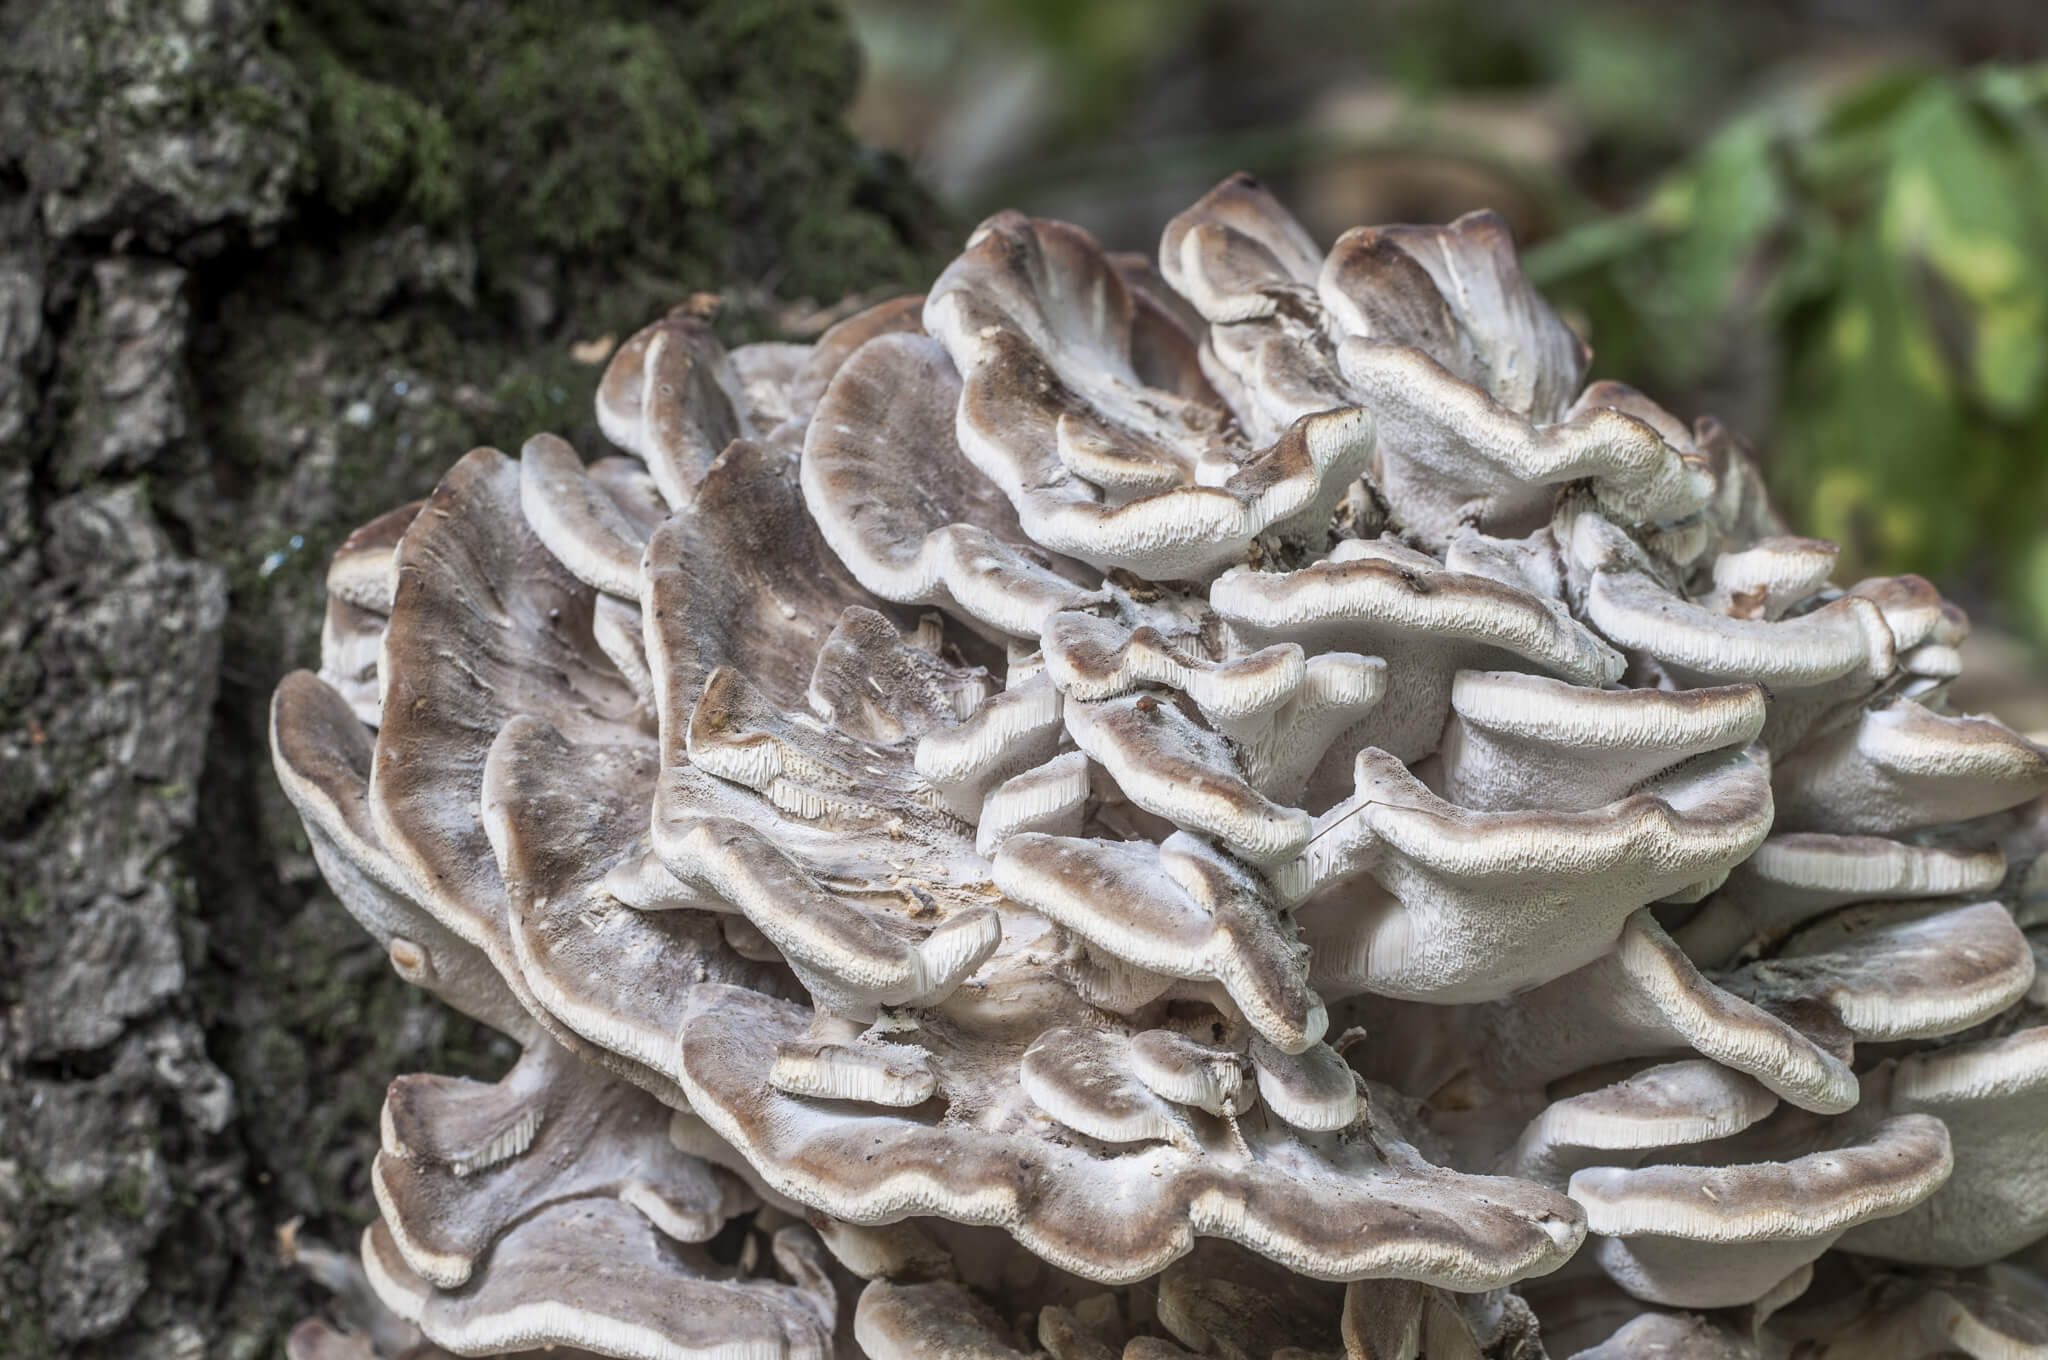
(264, 270)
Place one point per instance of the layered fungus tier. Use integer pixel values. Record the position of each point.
(1227, 806)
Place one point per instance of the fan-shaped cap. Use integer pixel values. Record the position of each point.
(1380, 600)
(1179, 909)
(1897, 974)
(1794, 877)
(1038, 323)
(1545, 891)
(1517, 740)
(938, 1320)
(1712, 1237)
(741, 579)
(594, 1274)
(897, 316)
(1902, 767)
(562, 819)
(903, 508)
(1327, 1208)
(1237, 255)
(1646, 999)
(1461, 443)
(670, 397)
(1457, 293)
(463, 1161)
(1772, 576)
(1172, 767)
(1993, 1096)
(1668, 1105)
(323, 757)
(597, 529)
(474, 582)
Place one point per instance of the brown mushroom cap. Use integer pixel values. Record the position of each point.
(323, 758)
(670, 397)
(474, 582)
(1038, 323)
(1331, 1208)
(935, 1321)
(904, 509)
(463, 1161)
(1178, 909)
(1896, 975)
(594, 1274)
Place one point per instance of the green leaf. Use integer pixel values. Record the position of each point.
(1958, 204)
(1734, 198)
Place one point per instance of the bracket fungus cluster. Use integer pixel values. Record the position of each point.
(1230, 808)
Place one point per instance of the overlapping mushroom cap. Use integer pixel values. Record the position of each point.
(1246, 777)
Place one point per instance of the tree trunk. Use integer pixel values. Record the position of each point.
(265, 270)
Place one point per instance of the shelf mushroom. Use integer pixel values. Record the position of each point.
(1234, 808)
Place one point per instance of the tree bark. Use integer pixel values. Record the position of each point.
(265, 270)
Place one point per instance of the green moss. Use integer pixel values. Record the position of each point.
(374, 145)
(650, 147)
(127, 1195)
(21, 1333)
(22, 905)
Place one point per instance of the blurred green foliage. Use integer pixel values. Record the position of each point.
(1852, 267)
(1889, 245)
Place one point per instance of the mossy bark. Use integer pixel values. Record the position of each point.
(266, 268)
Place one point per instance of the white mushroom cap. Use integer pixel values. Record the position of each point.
(1993, 1096)
(1478, 905)
(1903, 767)
(1794, 877)
(1647, 999)
(1168, 765)
(1178, 909)
(1669, 1105)
(1712, 1237)
(935, 1321)
(1517, 740)
(1772, 576)
(1897, 974)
